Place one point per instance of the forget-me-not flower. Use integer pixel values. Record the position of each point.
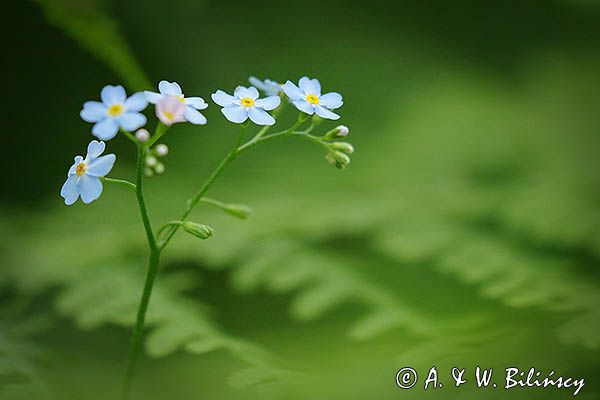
(192, 104)
(115, 110)
(245, 104)
(170, 110)
(268, 87)
(83, 178)
(307, 98)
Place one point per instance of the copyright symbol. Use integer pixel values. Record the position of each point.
(406, 378)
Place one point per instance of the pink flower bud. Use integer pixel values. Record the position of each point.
(170, 109)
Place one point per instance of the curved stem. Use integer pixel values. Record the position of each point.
(204, 188)
(153, 262)
(260, 138)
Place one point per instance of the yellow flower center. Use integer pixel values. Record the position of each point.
(80, 169)
(115, 110)
(313, 98)
(181, 98)
(247, 102)
(169, 115)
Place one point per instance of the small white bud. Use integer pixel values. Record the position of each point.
(337, 132)
(151, 161)
(343, 131)
(159, 168)
(142, 135)
(148, 172)
(161, 150)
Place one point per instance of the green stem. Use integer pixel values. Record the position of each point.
(122, 182)
(204, 188)
(259, 138)
(129, 136)
(153, 262)
(161, 129)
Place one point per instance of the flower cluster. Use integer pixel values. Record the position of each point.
(118, 112)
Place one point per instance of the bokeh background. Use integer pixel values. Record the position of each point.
(465, 232)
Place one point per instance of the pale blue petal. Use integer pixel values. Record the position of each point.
(93, 111)
(325, 113)
(292, 91)
(310, 86)
(257, 83)
(131, 121)
(90, 188)
(194, 116)
(268, 87)
(268, 103)
(113, 94)
(304, 106)
(331, 100)
(69, 190)
(223, 99)
(316, 86)
(101, 166)
(76, 162)
(136, 102)
(106, 129)
(153, 97)
(234, 113)
(197, 102)
(242, 92)
(170, 88)
(94, 149)
(260, 117)
(273, 87)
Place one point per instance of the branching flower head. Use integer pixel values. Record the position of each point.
(192, 104)
(115, 110)
(83, 178)
(244, 104)
(268, 87)
(307, 98)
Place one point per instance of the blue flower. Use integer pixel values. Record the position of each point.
(192, 104)
(83, 178)
(245, 104)
(115, 110)
(268, 87)
(308, 99)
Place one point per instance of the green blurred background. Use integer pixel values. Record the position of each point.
(465, 232)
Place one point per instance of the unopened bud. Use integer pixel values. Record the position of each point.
(142, 135)
(199, 230)
(161, 150)
(344, 147)
(151, 161)
(148, 172)
(338, 159)
(238, 210)
(159, 168)
(337, 132)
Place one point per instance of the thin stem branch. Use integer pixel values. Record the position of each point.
(161, 129)
(129, 136)
(204, 188)
(122, 182)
